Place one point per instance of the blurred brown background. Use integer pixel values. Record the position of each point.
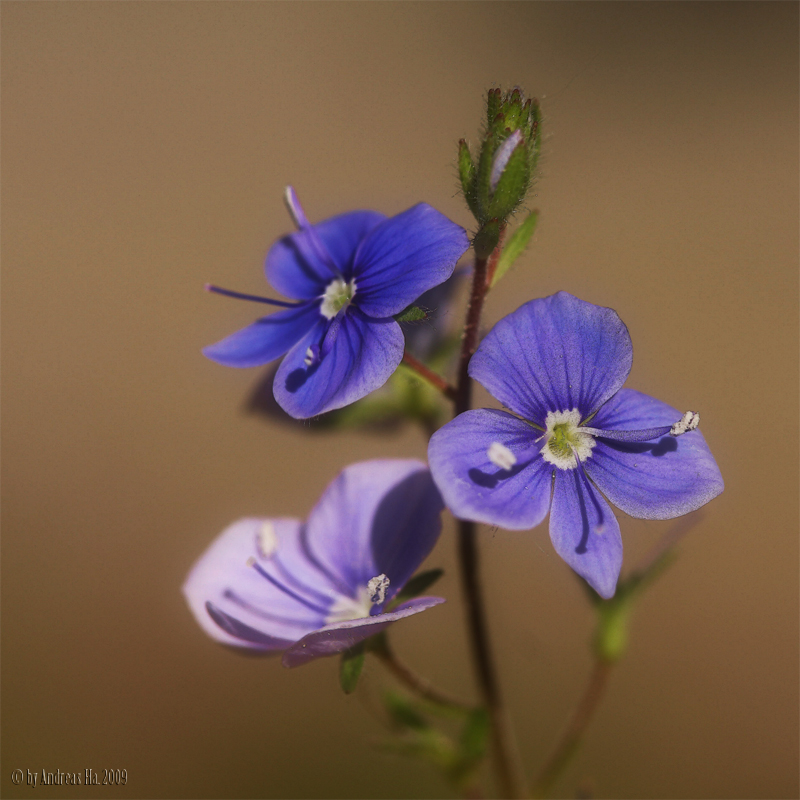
(145, 148)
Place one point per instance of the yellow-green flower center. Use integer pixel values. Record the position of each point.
(338, 295)
(565, 441)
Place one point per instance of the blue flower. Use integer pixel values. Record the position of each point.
(350, 275)
(559, 364)
(317, 588)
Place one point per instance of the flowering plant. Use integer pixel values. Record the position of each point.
(571, 441)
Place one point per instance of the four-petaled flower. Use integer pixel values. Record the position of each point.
(317, 588)
(350, 274)
(559, 363)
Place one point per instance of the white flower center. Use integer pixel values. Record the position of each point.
(565, 440)
(346, 608)
(338, 295)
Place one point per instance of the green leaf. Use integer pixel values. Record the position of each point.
(411, 314)
(417, 585)
(403, 712)
(475, 736)
(516, 244)
(350, 668)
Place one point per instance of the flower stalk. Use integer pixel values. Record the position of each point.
(508, 769)
(382, 650)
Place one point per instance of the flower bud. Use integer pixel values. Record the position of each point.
(496, 187)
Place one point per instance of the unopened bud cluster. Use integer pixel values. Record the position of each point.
(496, 185)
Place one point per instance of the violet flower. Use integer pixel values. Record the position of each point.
(350, 274)
(559, 364)
(317, 588)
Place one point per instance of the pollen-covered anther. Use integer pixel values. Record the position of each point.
(338, 295)
(688, 422)
(501, 456)
(566, 443)
(377, 587)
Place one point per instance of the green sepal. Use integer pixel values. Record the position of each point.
(350, 668)
(467, 175)
(417, 585)
(484, 172)
(412, 314)
(513, 184)
(486, 239)
(516, 244)
(493, 105)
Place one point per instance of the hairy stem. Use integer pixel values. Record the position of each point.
(568, 744)
(508, 771)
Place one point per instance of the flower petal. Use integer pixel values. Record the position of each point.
(652, 480)
(361, 359)
(554, 354)
(378, 517)
(585, 532)
(341, 636)
(295, 268)
(236, 605)
(474, 487)
(405, 256)
(266, 339)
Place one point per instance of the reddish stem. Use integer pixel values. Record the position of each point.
(436, 380)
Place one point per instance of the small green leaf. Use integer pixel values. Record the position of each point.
(411, 314)
(474, 736)
(516, 244)
(403, 712)
(350, 668)
(418, 584)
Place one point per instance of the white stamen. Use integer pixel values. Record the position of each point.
(338, 295)
(688, 422)
(501, 456)
(377, 587)
(267, 540)
(309, 359)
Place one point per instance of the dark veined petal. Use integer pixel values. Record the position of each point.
(554, 354)
(359, 356)
(236, 605)
(378, 517)
(661, 479)
(585, 532)
(405, 256)
(295, 267)
(341, 636)
(476, 488)
(266, 339)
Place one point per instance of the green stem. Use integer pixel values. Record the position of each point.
(568, 744)
(414, 682)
